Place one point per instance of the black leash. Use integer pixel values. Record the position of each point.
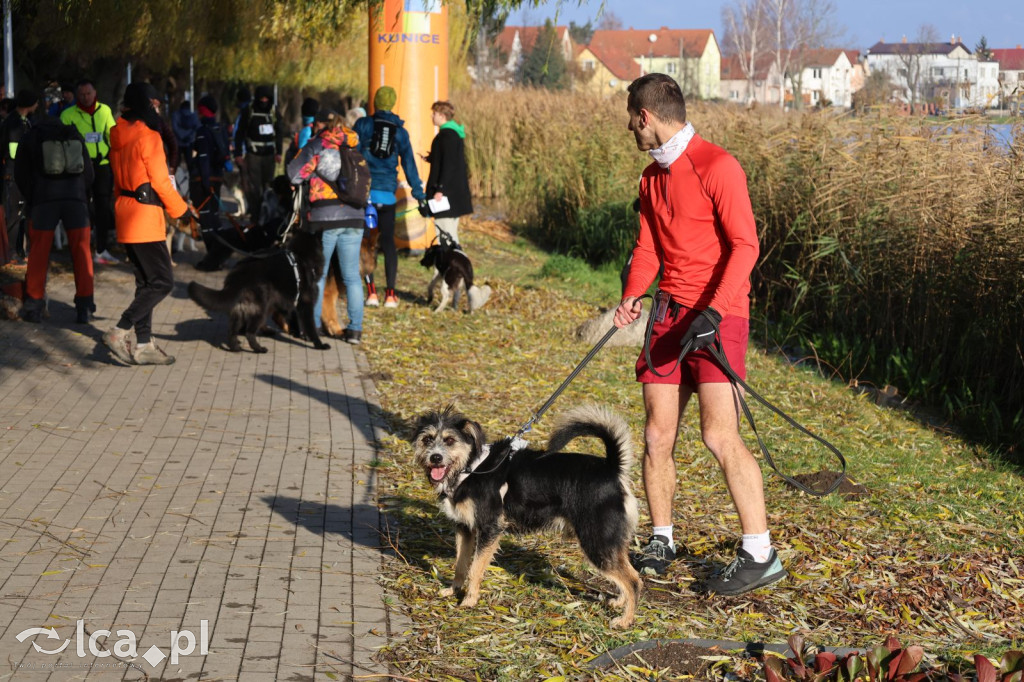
(719, 355)
(554, 396)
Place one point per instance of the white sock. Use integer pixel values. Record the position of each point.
(758, 546)
(665, 532)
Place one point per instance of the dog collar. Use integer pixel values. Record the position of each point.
(298, 280)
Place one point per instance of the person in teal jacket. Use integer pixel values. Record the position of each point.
(384, 142)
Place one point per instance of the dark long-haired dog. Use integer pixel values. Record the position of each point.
(452, 268)
(488, 489)
(283, 282)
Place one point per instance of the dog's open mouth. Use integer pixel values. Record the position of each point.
(437, 474)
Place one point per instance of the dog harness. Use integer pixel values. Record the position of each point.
(298, 280)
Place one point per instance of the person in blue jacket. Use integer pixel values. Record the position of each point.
(384, 142)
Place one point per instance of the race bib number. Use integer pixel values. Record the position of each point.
(266, 129)
(94, 138)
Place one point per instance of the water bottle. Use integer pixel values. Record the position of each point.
(371, 216)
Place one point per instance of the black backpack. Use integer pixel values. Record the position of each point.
(352, 184)
(382, 143)
(62, 152)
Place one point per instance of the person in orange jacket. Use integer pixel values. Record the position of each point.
(143, 191)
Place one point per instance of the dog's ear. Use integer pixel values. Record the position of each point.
(475, 433)
(416, 427)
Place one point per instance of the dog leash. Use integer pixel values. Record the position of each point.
(717, 353)
(517, 442)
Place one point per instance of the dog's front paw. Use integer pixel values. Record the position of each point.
(470, 600)
(447, 591)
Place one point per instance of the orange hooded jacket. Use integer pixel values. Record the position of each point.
(137, 157)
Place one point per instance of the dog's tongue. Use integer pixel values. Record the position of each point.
(437, 473)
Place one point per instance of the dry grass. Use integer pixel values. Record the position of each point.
(930, 555)
(892, 248)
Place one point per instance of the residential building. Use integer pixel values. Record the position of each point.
(1011, 77)
(691, 56)
(605, 69)
(514, 43)
(763, 88)
(945, 74)
(823, 77)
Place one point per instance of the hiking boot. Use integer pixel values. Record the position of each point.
(354, 337)
(390, 301)
(119, 342)
(372, 300)
(654, 557)
(149, 354)
(743, 575)
(84, 308)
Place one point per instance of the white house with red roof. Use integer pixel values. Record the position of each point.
(763, 88)
(1011, 76)
(825, 78)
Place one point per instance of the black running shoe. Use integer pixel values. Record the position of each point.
(743, 575)
(654, 557)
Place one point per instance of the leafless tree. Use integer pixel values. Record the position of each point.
(797, 27)
(911, 58)
(746, 36)
(609, 21)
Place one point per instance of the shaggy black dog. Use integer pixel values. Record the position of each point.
(284, 282)
(486, 489)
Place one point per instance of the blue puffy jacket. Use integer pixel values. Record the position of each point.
(384, 172)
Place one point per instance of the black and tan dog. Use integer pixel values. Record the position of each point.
(283, 282)
(454, 271)
(488, 489)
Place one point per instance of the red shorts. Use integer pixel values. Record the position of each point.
(697, 367)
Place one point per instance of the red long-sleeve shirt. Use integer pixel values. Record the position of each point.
(696, 219)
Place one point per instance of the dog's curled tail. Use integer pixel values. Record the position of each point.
(211, 299)
(600, 422)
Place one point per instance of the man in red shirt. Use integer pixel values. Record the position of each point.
(696, 222)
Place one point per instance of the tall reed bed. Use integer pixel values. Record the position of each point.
(892, 247)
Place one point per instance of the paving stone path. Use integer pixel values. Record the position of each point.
(228, 498)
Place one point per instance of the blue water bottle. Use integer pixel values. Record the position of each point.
(371, 216)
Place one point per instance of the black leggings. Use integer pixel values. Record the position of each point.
(386, 242)
(154, 280)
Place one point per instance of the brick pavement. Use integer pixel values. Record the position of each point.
(234, 490)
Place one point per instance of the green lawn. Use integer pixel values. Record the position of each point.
(932, 554)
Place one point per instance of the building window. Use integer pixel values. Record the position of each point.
(816, 73)
(670, 67)
(588, 64)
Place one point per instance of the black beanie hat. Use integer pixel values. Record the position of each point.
(210, 102)
(243, 95)
(26, 98)
(310, 106)
(264, 91)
